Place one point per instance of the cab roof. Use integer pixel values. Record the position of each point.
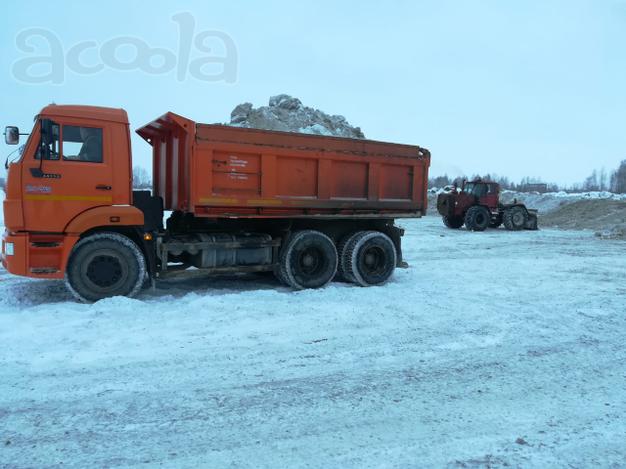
(86, 112)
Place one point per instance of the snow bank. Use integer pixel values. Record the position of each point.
(544, 202)
(550, 201)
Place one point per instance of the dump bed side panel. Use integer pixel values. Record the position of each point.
(222, 171)
(246, 179)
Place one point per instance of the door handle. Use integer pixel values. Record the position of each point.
(103, 187)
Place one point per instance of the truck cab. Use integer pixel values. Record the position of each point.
(73, 176)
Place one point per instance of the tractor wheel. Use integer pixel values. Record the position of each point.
(370, 258)
(515, 218)
(308, 260)
(453, 222)
(477, 218)
(103, 265)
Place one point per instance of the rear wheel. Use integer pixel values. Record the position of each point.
(342, 272)
(308, 260)
(453, 222)
(104, 265)
(515, 218)
(477, 218)
(370, 258)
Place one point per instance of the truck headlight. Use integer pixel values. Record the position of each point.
(8, 249)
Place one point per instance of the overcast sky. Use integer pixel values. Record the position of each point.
(518, 88)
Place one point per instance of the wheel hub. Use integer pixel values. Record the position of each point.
(310, 261)
(373, 260)
(104, 271)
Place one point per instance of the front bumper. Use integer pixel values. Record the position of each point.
(14, 253)
(36, 255)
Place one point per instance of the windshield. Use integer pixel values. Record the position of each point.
(478, 189)
(469, 188)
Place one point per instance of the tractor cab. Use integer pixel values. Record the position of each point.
(483, 193)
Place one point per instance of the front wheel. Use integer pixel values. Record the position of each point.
(515, 218)
(104, 265)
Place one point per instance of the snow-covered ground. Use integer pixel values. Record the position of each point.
(494, 349)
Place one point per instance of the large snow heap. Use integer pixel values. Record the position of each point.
(287, 113)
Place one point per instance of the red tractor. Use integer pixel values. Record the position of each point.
(477, 205)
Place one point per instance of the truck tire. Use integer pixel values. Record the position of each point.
(279, 276)
(308, 260)
(453, 222)
(477, 218)
(515, 218)
(103, 265)
(342, 272)
(279, 271)
(370, 258)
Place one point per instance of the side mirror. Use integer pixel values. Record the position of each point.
(11, 135)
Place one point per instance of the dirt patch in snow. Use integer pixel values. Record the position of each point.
(607, 217)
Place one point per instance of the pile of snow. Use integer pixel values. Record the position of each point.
(550, 201)
(287, 113)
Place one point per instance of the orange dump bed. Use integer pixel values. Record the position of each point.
(224, 171)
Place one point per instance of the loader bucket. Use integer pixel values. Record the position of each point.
(531, 223)
(445, 204)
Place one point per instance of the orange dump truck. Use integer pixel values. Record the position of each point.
(309, 208)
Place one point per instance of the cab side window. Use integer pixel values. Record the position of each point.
(82, 144)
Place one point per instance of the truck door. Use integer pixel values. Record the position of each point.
(69, 174)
